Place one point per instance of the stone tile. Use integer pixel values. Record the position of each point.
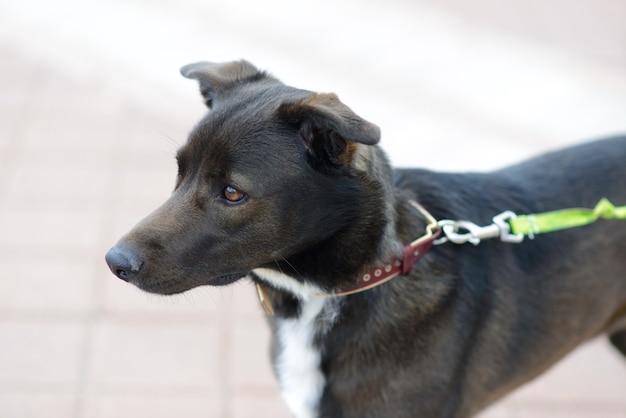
(594, 373)
(40, 351)
(30, 403)
(36, 227)
(78, 121)
(499, 411)
(32, 282)
(149, 185)
(55, 175)
(258, 406)
(153, 353)
(570, 410)
(12, 110)
(254, 387)
(146, 405)
(249, 366)
(15, 101)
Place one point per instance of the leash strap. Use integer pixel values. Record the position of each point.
(510, 227)
(531, 225)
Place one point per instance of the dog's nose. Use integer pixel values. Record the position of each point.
(124, 262)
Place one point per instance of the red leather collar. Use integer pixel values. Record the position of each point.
(412, 252)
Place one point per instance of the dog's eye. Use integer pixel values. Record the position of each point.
(233, 195)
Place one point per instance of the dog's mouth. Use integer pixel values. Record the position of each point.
(172, 287)
(226, 280)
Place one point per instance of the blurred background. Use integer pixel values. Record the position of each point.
(92, 109)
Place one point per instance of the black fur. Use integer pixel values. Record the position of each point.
(320, 204)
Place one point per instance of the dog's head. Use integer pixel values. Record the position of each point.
(272, 177)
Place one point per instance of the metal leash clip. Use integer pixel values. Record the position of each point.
(474, 234)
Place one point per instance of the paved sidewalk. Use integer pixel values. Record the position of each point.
(92, 110)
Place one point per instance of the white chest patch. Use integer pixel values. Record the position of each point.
(298, 363)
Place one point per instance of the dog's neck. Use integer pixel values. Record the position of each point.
(375, 163)
(392, 242)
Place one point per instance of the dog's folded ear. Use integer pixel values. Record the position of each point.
(219, 79)
(325, 114)
(330, 130)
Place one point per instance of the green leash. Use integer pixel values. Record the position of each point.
(510, 227)
(564, 219)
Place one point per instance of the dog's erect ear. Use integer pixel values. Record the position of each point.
(219, 79)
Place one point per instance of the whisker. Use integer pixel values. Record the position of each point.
(170, 140)
(289, 264)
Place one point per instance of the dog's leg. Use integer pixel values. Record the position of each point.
(618, 340)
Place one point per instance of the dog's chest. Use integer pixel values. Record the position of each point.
(298, 362)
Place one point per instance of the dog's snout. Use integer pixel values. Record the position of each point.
(124, 262)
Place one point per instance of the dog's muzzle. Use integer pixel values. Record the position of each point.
(124, 262)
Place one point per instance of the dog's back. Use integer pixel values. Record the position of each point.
(537, 300)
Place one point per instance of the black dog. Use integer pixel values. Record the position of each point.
(288, 188)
